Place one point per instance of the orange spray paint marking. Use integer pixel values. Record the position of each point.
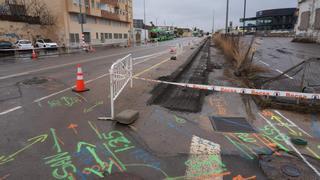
(116, 164)
(267, 113)
(217, 175)
(267, 144)
(60, 141)
(239, 177)
(73, 127)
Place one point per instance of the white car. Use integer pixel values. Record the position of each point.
(46, 43)
(23, 44)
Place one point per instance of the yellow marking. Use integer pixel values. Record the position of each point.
(313, 153)
(152, 67)
(277, 118)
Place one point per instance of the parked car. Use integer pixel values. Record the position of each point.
(46, 43)
(24, 44)
(6, 45)
(5, 48)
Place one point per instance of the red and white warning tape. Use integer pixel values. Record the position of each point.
(256, 92)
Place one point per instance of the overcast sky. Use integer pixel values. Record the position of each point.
(190, 13)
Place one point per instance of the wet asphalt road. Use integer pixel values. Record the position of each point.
(49, 132)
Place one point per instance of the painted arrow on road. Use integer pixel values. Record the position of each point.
(73, 127)
(34, 140)
(84, 144)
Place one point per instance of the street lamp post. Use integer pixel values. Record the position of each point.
(227, 16)
(244, 15)
(81, 16)
(145, 30)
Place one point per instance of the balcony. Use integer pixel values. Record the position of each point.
(113, 16)
(110, 2)
(26, 19)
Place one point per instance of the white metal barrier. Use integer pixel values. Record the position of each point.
(121, 73)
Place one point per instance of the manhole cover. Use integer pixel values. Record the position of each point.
(288, 166)
(290, 170)
(35, 81)
(231, 124)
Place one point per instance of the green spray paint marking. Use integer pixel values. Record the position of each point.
(278, 144)
(95, 130)
(61, 165)
(179, 120)
(92, 107)
(115, 157)
(34, 140)
(56, 143)
(245, 137)
(236, 144)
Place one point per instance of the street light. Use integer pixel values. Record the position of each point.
(244, 16)
(227, 16)
(81, 16)
(145, 30)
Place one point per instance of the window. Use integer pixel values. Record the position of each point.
(102, 37)
(106, 36)
(125, 36)
(97, 35)
(116, 36)
(110, 35)
(92, 3)
(305, 20)
(120, 36)
(74, 38)
(317, 19)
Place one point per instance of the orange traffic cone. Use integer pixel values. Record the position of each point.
(34, 55)
(80, 84)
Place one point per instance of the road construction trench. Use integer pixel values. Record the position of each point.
(194, 71)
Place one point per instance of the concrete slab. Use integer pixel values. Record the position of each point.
(127, 117)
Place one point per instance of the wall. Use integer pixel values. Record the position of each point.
(313, 31)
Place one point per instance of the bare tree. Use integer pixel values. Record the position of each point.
(37, 8)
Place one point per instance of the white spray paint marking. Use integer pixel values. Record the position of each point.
(284, 74)
(265, 63)
(10, 110)
(292, 123)
(204, 160)
(291, 145)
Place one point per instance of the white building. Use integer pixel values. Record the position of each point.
(308, 25)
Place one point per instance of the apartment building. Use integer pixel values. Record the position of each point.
(308, 25)
(104, 21)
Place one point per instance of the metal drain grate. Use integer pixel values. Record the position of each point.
(231, 124)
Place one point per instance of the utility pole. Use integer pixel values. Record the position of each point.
(81, 16)
(213, 23)
(244, 16)
(145, 21)
(227, 17)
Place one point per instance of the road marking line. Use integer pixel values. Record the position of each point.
(265, 63)
(10, 110)
(292, 123)
(148, 59)
(152, 67)
(284, 74)
(291, 145)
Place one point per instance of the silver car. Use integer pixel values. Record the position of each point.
(24, 44)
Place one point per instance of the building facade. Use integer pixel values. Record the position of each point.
(272, 20)
(308, 25)
(104, 21)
